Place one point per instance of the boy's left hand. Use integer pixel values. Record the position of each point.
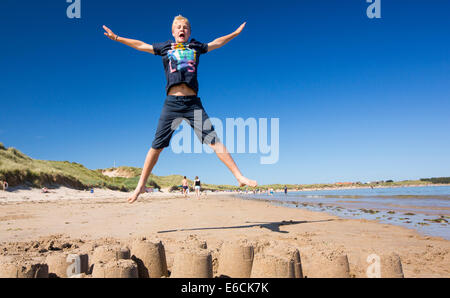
(241, 27)
(221, 41)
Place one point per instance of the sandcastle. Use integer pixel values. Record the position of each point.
(65, 265)
(267, 265)
(31, 268)
(386, 265)
(150, 258)
(190, 263)
(192, 259)
(391, 266)
(327, 266)
(277, 260)
(289, 252)
(116, 269)
(236, 259)
(107, 253)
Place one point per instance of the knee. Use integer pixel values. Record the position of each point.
(218, 147)
(215, 145)
(156, 151)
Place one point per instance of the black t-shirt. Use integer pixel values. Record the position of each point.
(181, 61)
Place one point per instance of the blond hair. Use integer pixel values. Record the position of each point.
(181, 18)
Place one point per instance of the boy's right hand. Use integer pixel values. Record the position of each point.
(109, 33)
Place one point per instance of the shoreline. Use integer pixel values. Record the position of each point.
(165, 190)
(427, 214)
(425, 229)
(368, 187)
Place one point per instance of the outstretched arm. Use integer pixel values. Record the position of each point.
(221, 41)
(136, 44)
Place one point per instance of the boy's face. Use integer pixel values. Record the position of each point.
(181, 31)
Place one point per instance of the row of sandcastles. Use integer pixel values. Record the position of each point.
(147, 259)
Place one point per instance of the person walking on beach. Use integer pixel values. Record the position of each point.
(4, 185)
(185, 186)
(285, 190)
(197, 186)
(180, 60)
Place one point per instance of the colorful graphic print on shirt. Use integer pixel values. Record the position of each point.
(181, 57)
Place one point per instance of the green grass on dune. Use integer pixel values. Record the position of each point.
(17, 168)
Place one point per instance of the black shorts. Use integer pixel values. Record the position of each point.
(178, 108)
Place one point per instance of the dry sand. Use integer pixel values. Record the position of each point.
(33, 224)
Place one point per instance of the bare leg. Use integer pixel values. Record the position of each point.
(150, 161)
(226, 158)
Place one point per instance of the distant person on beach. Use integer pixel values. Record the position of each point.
(285, 190)
(4, 185)
(197, 186)
(181, 59)
(185, 186)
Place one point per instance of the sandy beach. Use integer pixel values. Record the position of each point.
(30, 220)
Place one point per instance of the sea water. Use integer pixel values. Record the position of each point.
(426, 209)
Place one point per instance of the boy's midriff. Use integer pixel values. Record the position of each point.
(181, 90)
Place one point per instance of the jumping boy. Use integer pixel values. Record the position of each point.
(180, 60)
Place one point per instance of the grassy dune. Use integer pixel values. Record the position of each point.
(17, 168)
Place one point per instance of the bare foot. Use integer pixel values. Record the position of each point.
(136, 194)
(245, 181)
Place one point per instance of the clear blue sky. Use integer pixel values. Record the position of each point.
(358, 99)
